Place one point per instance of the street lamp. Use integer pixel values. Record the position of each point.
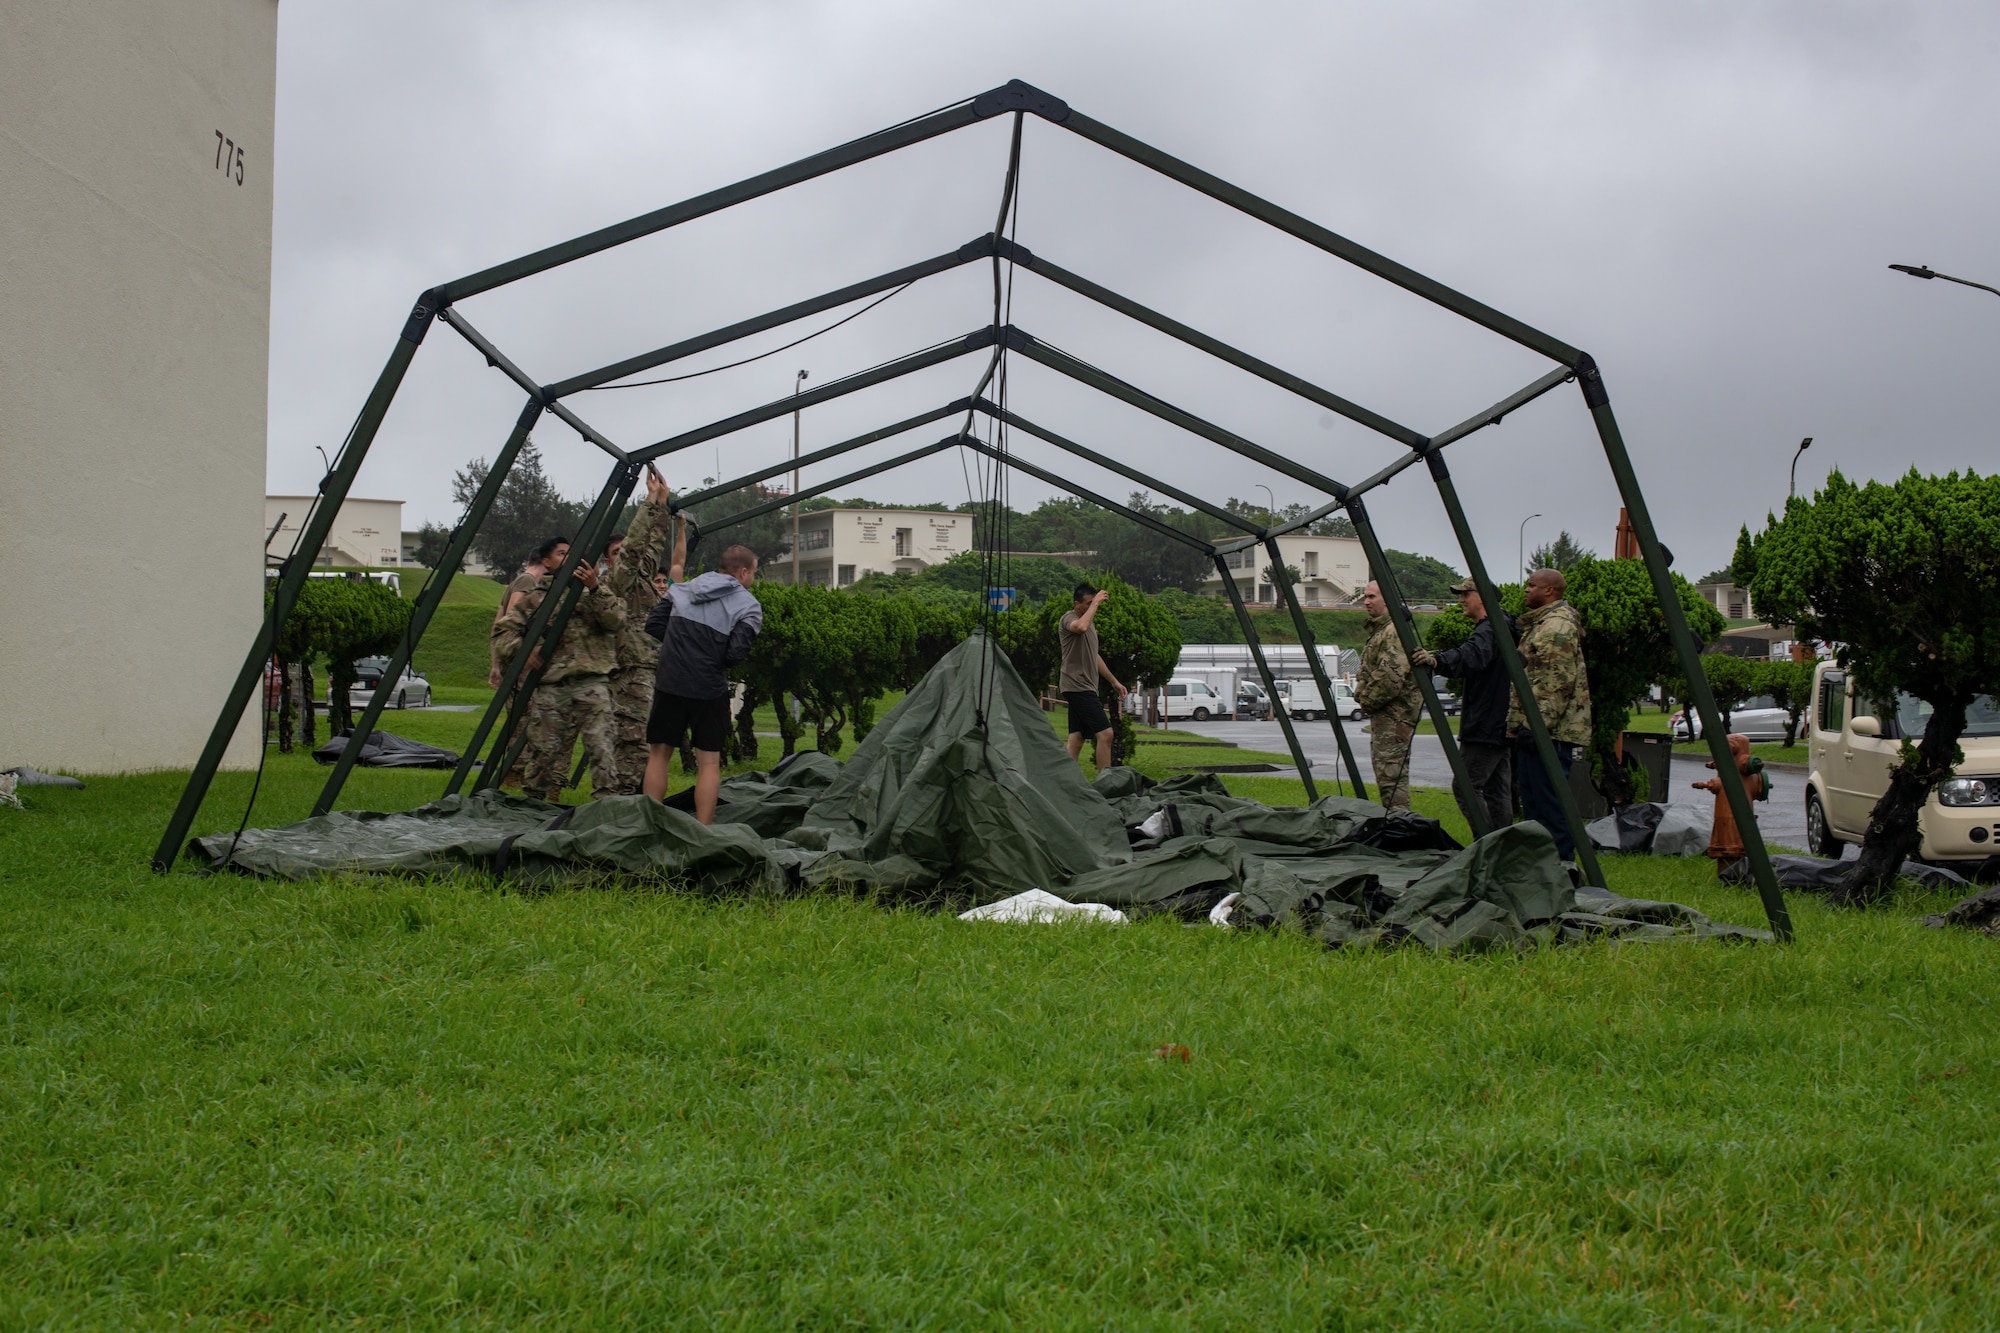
(1520, 545)
(1925, 272)
(1270, 518)
(797, 384)
(1804, 445)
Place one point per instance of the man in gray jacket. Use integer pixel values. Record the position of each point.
(705, 626)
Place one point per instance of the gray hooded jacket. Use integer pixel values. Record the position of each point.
(705, 626)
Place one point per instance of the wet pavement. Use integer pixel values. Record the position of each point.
(1782, 818)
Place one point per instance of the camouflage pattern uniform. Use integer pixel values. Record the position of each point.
(631, 582)
(574, 696)
(1386, 690)
(1552, 652)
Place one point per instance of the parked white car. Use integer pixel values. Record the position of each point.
(412, 691)
(1758, 718)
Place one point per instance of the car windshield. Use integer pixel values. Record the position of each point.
(1981, 719)
(1755, 701)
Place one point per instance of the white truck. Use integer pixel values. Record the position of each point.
(1301, 699)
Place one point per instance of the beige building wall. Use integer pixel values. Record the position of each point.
(1331, 569)
(838, 546)
(135, 287)
(365, 532)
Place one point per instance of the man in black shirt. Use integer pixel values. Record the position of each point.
(1482, 722)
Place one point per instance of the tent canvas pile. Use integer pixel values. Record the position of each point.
(963, 796)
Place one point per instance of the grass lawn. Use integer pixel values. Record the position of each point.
(1771, 752)
(230, 1103)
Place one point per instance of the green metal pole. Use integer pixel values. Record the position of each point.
(818, 455)
(673, 215)
(977, 340)
(427, 602)
(1125, 470)
(1284, 582)
(1685, 647)
(1406, 631)
(1517, 672)
(1215, 347)
(1270, 681)
(1114, 387)
(1315, 235)
(333, 491)
(981, 248)
(1147, 521)
(511, 676)
(589, 546)
(862, 474)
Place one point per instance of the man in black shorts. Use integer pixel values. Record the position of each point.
(705, 626)
(1081, 666)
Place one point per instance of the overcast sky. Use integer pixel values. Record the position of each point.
(1704, 196)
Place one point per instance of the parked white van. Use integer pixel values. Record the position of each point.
(1188, 697)
(1852, 746)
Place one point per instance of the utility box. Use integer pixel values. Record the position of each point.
(1654, 753)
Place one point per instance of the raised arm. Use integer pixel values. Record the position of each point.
(677, 570)
(639, 557)
(1082, 623)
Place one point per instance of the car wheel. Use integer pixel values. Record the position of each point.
(1354, 716)
(1819, 834)
(402, 701)
(1201, 715)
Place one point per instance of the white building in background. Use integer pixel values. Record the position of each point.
(365, 532)
(838, 546)
(1332, 570)
(1729, 598)
(135, 296)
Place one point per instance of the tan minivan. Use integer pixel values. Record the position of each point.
(1851, 747)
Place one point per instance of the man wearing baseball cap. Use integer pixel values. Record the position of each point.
(1482, 723)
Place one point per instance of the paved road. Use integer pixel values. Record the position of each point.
(1783, 817)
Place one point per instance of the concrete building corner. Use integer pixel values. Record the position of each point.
(135, 220)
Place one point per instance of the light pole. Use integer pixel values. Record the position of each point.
(1521, 545)
(1925, 272)
(1804, 445)
(797, 384)
(1270, 518)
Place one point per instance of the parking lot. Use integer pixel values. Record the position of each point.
(1783, 817)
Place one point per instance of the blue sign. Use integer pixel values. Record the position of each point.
(1000, 599)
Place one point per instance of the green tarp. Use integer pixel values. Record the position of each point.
(963, 795)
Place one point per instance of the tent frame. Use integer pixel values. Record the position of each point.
(1018, 99)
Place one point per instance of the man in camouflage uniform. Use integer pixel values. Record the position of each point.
(574, 696)
(1386, 690)
(1552, 652)
(631, 564)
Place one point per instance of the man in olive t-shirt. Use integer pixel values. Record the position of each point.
(1081, 666)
